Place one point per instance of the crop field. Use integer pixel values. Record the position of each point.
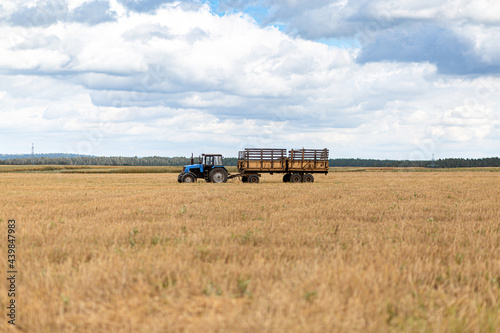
(358, 250)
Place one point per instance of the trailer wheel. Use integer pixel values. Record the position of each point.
(189, 178)
(286, 178)
(308, 178)
(244, 179)
(218, 175)
(296, 178)
(253, 179)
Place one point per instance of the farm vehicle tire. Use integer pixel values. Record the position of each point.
(189, 178)
(253, 179)
(296, 178)
(286, 178)
(218, 175)
(308, 178)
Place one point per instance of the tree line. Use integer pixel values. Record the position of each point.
(100, 160)
(232, 161)
(440, 163)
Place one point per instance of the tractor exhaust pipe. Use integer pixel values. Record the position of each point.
(192, 159)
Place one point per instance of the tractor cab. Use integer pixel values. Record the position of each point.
(212, 160)
(210, 168)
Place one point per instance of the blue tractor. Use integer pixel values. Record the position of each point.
(210, 168)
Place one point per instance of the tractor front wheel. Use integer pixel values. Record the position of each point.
(189, 178)
(218, 175)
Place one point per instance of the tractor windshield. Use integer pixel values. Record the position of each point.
(213, 160)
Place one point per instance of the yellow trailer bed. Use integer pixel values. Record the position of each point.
(298, 165)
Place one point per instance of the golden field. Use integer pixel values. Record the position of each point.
(372, 251)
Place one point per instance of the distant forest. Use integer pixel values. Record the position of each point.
(69, 159)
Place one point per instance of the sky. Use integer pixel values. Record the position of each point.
(377, 79)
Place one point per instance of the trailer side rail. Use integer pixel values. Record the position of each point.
(308, 160)
(309, 154)
(277, 160)
(257, 159)
(270, 154)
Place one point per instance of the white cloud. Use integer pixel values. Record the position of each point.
(428, 30)
(179, 80)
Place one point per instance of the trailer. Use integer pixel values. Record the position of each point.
(298, 166)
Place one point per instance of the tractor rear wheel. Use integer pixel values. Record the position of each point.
(218, 175)
(308, 178)
(189, 178)
(296, 178)
(253, 179)
(286, 178)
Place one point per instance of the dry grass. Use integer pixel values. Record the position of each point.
(88, 169)
(355, 251)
